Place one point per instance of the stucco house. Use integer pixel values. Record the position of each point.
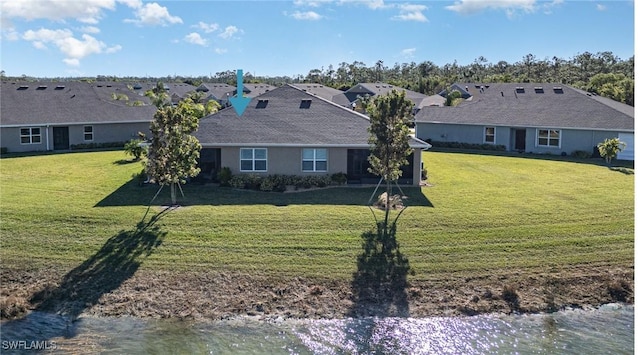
(528, 117)
(289, 131)
(43, 116)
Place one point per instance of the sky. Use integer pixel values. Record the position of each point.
(61, 38)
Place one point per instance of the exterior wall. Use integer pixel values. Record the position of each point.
(570, 139)
(102, 133)
(286, 160)
(108, 133)
(10, 139)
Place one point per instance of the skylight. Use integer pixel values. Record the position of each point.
(262, 103)
(306, 103)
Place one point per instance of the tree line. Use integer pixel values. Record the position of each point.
(602, 73)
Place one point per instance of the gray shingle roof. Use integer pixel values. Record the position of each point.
(23, 103)
(282, 121)
(533, 105)
(323, 91)
(374, 89)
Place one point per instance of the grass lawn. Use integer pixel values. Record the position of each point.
(483, 215)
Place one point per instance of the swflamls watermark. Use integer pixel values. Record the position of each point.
(29, 345)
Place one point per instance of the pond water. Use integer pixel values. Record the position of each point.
(606, 330)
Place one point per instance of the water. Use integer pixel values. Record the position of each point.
(607, 330)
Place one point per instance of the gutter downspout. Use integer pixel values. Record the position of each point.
(48, 138)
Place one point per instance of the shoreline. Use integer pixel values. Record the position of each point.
(223, 295)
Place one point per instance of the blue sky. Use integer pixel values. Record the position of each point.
(50, 38)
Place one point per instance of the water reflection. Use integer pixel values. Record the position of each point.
(606, 330)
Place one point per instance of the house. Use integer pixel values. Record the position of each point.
(217, 91)
(43, 116)
(528, 117)
(325, 92)
(289, 131)
(375, 89)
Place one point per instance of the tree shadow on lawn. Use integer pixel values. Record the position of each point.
(81, 288)
(379, 286)
(132, 194)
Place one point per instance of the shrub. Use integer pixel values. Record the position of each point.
(4, 150)
(339, 178)
(581, 154)
(224, 176)
(237, 181)
(460, 145)
(106, 145)
(135, 148)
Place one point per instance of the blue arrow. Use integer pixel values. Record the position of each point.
(238, 102)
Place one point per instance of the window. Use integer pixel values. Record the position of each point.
(549, 138)
(314, 160)
(88, 133)
(253, 159)
(30, 135)
(490, 135)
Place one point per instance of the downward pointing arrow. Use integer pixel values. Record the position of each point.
(238, 102)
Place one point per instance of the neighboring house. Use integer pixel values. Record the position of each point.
(527, 117)
(42, 116)
(375, 89)
(253, 90)
(217, 91)
(292, 132)
(326, 92)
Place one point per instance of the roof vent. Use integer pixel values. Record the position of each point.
(538, 90)
(262, 103)
(41, 87)
(306, 103)
(520, 90)
(23, 87)
(558, 90)
(59, 87)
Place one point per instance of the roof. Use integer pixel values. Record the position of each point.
(374, 89)
(288, 116)
(219, 91)
(325, 92)
(41, 103)
(257, 89)
(533, 105)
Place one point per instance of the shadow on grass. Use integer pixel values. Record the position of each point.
(379, 288)
(625, 171)
(132, 194)
(126, 161)
(380, 283)
(58, 308)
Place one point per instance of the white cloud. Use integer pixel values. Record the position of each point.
(10, 34)
(476, 6)
(207, 27)
(87, 11)
(408, 52)
(410, 12)
(311, 3)
(372, 4)
(74, 49)
(220, 50)
(195, 38)
(90, 29)
(308, 15)
(601, 7)
(229, 32)
(152, 14)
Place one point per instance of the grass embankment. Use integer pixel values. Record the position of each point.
(488, 224)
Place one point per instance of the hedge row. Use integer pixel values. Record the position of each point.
(279, 183)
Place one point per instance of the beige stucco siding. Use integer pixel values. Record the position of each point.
(286, 160)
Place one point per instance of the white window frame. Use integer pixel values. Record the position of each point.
(253, 159)
(548, 138)
(484, 139)
(85, 133)
(315, 160)
(31, 135)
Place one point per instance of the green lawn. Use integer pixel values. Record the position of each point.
(483, 215)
